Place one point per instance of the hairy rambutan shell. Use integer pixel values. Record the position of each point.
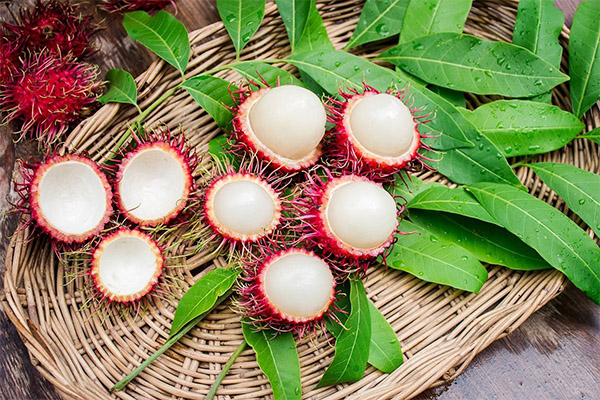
(57, 26)
(9, 54)
(290, 290)
(126, 265)
(349, 216)
(49, 94)
(70, 198)
(133, 5)
(283, 125)
(242, 207)
(154, 182)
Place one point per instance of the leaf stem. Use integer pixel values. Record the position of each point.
(174, 339)
(233, 64)
(524, 161)
(215, 386)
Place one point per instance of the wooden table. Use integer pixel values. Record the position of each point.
(555, 354)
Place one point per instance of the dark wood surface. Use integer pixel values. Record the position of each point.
(555, 354)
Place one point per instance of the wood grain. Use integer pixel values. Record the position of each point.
(554, 355)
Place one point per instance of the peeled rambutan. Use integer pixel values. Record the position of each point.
(48, 94)
(56, 26)
(376, 134)
(126, 265)
(283, 125)
(154, 180)
(348, 216)
(123, 6)
(68, 197)
(9, 54)
(291, 290)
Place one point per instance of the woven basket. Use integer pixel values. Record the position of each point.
(83, 352)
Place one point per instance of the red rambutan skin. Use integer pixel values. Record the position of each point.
(172, 144)
(242, 133)
(313, 227)
(29, 193)
(95, 270)
(344, 152)
(260, 312)
(57, 26)
(9, 54)
(122, 6)
(48, 94)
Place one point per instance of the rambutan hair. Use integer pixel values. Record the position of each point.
(56, 26)
(9, 54)
(48, 94)
(344, 152)
(123, 6)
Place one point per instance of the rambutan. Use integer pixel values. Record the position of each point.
(154, 180)
(375, 134)
(9, 54)
(123, 6)
(283, 125)
(57, 26)
(290, 290)
(68, 197)
(347, 216)
(48, 94)
(126, 265)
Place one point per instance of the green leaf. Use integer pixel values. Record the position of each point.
(482, 163)
(218, 147)
(593, 135)
(385, 352)
(352, 345)
(335, 326)
(555, 237)
(163, 34)
(424, 17)
(469, 64)
(277, 358)
(294, 14)
(378, 20)
(521, 127)
(579, 188)
(489, 243)
(242, 19)
(213, 95)
(259, 71)
(457, 99)
(332, 68)
(408, 186)
(431, 259)
(456, 201)
(314, 36)
(537, 28)
(202, 296)
(121, 88)
(584, 57)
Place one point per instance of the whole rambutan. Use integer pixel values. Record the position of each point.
(9, 54)
(154, 180)
(58, 27)
(68, 197)
(48, 94)
(283, 125)
(346, 216)
(375, 134)
(123, 6)
(288, 290)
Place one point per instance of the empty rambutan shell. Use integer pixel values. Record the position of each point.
(126, 265)
(154, 181)
(57, 26)
(242, 207)
(70, 198)
(133, 5)
(283, 125)
(348, 216)
(375, 133)
(48, 94)
(289, 291)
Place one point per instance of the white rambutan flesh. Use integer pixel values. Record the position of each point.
(154, 184)
(126, 265)
(298, 285)
(383, 124)
(242, 207)
(70, 198)
(361, 214)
